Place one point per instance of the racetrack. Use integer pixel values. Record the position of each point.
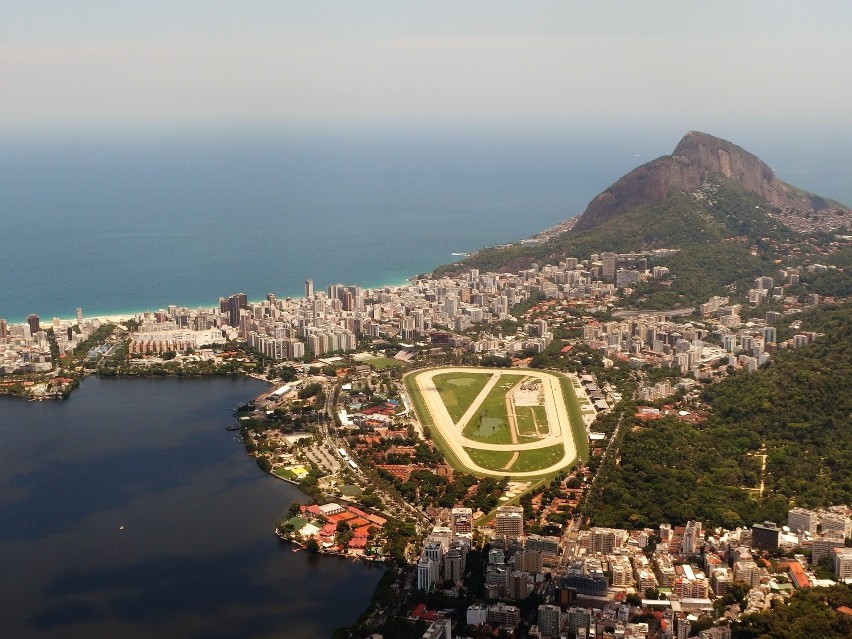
(452, 432)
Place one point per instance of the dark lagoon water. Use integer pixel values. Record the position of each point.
(197, 556)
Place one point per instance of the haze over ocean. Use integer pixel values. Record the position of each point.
(136, 219)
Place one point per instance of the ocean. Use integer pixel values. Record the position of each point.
(129, 219)
(128, 510)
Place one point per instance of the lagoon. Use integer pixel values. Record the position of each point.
(128, 510)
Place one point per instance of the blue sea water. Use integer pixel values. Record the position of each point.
(131, 220)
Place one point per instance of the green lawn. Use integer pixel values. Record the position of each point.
(526, 423)
(490, 423)
(297, 522)
(531, 460)
(578, 428)
(541, 419)
(527, 461)
(532, 421)
(382, 363)
(458, 390)
(490, 459)
(284, 473)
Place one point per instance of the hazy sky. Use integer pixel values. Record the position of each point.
(205, 61)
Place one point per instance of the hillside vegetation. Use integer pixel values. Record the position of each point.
(799, 408)
(809, 614)
(715, 235)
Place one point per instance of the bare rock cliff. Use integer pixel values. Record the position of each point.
(697, 157)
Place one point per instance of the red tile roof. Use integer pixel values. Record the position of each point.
(797, 574)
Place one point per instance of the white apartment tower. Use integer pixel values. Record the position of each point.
(509, 521)
(427, 574)
(802, 520)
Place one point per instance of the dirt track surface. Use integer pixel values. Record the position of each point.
(451, 432)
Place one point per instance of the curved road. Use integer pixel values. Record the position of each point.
(554, 405)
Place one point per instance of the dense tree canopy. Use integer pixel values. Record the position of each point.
(799, 408)
(809, 614)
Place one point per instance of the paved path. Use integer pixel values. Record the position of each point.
(555, 408)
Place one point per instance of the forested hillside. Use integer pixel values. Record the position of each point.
(716, 232)
(799, 409)
(810, 614)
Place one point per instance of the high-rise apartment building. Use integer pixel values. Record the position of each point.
(546, 544)
(608, 261)
(822, 546)
(842, 560)
(503, 614)
(747, 571)
(528, 560)
(765, 536)
(517, 584)
(692, 538)
(605, 540)
(509, 521)
(236, 303)
(549, 620)
(461, 520)
(427, 574)
(34, 323)
(454, 561)
(837, 523)
(802, 520)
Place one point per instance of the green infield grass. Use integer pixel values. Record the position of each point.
(458, 390)
(426, 421)
(490, 459)
(526, 421)
(541, 419)
(490, 423)
(532, 460)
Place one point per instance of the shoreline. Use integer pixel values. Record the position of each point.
(118, 316)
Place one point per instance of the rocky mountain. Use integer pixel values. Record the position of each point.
(723, 207)
(696, 158)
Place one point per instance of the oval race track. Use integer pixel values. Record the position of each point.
(452, 432)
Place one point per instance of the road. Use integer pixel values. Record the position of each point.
(672, 312)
